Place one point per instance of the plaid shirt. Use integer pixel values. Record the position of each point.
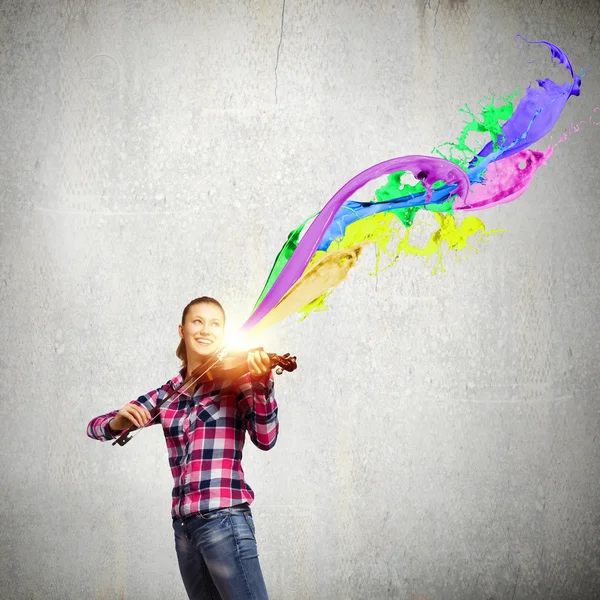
(205, 436)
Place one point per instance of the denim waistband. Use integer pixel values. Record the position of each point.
(212, 510)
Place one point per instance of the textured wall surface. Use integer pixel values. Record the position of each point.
(440, 438)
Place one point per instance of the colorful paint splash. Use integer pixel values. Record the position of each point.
(317, 257)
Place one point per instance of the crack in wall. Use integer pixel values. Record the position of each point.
(437, 8)
(279, 47)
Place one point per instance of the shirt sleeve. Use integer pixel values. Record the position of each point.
(98, 428)
(257, 402)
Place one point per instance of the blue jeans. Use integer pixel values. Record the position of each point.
(217, 555)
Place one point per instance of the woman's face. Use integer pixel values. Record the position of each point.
(203, 330)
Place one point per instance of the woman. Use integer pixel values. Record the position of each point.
(205, 432)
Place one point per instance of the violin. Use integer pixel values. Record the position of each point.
(235, 364)
(226, 364)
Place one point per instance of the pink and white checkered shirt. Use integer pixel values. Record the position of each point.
(205, 437)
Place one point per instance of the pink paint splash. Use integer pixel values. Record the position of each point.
(505, 180)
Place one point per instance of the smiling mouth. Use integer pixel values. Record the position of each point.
(204, 342)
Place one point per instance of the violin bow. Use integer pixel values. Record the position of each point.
(218, 355)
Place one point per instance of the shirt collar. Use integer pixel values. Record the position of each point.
(177, 379)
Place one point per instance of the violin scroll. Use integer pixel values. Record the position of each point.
(283, 363)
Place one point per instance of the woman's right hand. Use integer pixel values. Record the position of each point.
(130, 414)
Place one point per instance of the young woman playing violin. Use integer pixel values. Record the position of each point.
(205, 429)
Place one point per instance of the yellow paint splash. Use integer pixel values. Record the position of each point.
(328, 269)
(382, 228)
(456, 238)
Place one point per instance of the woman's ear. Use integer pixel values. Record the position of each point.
(180, 331)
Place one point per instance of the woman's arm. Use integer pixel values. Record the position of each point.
(257, 402)
(137, 412)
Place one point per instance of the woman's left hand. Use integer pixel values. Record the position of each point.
(259, 363)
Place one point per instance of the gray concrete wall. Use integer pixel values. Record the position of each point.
(439, 439)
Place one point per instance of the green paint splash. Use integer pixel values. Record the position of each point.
(460, 152)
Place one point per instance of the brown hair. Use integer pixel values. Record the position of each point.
(181, 352)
